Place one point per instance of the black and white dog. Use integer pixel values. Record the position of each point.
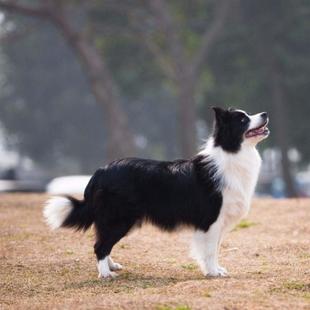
(210, 192)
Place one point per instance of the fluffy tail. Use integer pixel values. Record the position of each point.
(68, 212)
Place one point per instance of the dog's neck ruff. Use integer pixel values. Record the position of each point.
(237, 172)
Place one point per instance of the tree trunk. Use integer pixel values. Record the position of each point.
(186, 72)
(281, 133)
(186, 116)
(120, 141)
(265, 50)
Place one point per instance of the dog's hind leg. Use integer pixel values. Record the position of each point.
(114, 266)
(107, 237)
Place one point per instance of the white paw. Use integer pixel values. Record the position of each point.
(107, 275)
(104, 269)
(217, 272)
(116, 266)
(222, 269)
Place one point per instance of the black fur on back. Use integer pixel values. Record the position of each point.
(165, 193)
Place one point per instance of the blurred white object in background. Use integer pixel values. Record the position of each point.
(303, 183)
(74, 184)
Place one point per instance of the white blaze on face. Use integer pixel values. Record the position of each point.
(256, 121)
(257, 130)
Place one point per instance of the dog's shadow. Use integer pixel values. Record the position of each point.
(127, 281)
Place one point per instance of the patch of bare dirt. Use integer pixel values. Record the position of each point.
(268, 257)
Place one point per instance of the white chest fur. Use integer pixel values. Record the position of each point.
(239, 173)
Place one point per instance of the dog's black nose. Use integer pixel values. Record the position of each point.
(264, 115)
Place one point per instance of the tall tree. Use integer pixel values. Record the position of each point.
(120, 138)
(271, 19)
(47, 109)
(181, 65)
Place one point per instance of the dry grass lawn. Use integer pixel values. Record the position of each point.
(268, 257)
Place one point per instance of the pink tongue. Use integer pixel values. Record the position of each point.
(256, 131)
(260, 130)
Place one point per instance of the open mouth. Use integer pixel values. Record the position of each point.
(258, 131)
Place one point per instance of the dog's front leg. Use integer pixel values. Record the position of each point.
(205, 249)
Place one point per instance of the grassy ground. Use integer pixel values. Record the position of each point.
(268, 257)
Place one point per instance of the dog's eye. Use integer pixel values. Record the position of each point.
(243, 120)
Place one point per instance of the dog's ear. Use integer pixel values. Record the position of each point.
(219, 114)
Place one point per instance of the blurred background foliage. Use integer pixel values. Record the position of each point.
(84, 82)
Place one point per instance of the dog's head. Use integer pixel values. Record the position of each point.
(234, 128)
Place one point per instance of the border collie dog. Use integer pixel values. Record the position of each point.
(210, 192)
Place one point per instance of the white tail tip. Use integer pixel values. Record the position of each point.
(56, 211)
